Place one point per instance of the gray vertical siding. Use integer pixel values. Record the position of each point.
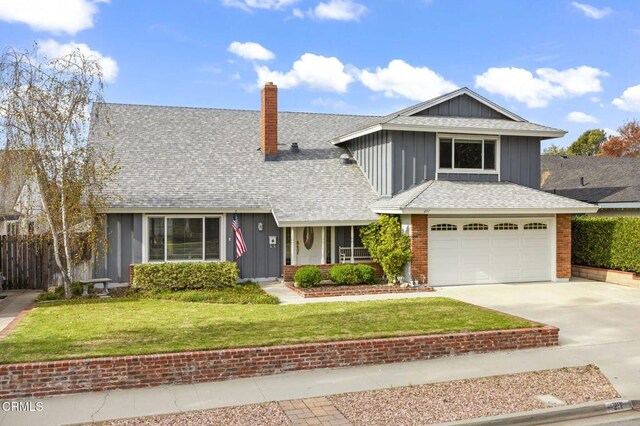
(414, 158)
(475, 177)
(463, 106)
(124, 236)
(520, 160)
(260, 260)
(373, 155)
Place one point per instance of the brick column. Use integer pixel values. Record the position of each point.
(420, 246)
(563, 246)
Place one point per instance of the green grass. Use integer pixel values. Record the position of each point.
(93, 328)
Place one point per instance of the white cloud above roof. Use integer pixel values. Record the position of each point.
(630, 99)
(249, 5)
(251, 51)
(592, 11)
(339, 10)
(313, 71)
(581, 117)
(402, 79)
(538, 90)
(52, 49)
(62, 16)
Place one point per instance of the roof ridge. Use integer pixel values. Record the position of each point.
(429, 183)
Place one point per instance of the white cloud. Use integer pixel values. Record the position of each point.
(331, 104)
(314, 71)
(611, 132)
(630, 99)
(297, 13)
(339, 10)
(581, 117)
(69, 16)
(591, 11)
(402, 79)
(250, 50)
(249, 5)
(52, 49)
(537, 90)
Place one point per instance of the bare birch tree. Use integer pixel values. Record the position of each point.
(45, 113)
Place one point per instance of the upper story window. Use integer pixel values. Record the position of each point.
(467, 154)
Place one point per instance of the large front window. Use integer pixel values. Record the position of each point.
(467, 154)
(175, 238)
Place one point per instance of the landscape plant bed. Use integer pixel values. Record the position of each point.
(114, 327)
(331, 290)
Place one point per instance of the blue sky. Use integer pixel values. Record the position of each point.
(567, 64)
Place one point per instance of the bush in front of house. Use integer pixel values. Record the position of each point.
(308, 276)
(607, 242)
(185, 275)
(343, 274)
(365, 274)
(387, 245)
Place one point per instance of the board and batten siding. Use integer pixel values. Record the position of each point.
(468, 177)
(414, 156)
(374, 156)
(520, 160)
(124, 236)
(462, 106)
(260, 260)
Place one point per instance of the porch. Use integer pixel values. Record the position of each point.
(323, 245)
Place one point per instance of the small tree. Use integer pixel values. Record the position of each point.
(554, 149)
(588, 143)
(45, 112)
(627, 144)
(387, 245)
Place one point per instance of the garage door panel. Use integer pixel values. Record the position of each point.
(491, 256)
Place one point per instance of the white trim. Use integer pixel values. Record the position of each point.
(479, 138)
(627, 205)
(323, 248)
(333, 245)
(145, 236)
(180, 211)
(294, 254)
(466, 91)
(567, 210)
(553, 225)
(325, 223)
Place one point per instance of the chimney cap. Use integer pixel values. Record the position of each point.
(269, 83)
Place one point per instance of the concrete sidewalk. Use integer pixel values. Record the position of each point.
(15, 302)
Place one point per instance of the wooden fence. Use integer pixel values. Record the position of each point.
(28, 263)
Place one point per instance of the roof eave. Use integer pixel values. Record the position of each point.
(457, 211)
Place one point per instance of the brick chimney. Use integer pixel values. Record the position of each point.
(269, 121)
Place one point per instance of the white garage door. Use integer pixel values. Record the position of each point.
(483, 251)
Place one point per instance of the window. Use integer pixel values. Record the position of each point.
(505, 227)
(178, 238)
(534, 226)
(12, 228)
(475, 227)
(444, 227)
(467, 154)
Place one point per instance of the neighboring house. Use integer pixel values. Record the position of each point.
(462, 173)
(11, 185)
(613, 184)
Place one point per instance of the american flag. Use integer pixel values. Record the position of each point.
(241, 247)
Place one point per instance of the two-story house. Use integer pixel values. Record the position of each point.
(462, 173)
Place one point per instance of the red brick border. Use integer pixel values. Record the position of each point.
(289, 271)
(612, 276)
(353, 290)
(123, 372)
(16, 320)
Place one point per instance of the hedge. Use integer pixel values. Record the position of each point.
(185, 275)
(351, 274)
(607, 242)
(308, 276)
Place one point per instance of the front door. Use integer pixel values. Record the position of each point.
(309, 245)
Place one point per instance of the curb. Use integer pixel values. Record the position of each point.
(554, 414)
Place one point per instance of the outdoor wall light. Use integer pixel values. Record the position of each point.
(260, 226)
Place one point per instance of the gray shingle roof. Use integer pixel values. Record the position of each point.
(606, 180)
(172, 157)
(492, 124)
(477, 196)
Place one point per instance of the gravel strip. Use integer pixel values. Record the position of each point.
(269, 414)
(466, 399)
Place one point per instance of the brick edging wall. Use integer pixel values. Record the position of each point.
(289, 271)
(355, 290)
(124, 372)
(606, 275)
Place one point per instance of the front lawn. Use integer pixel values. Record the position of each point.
(94, 328)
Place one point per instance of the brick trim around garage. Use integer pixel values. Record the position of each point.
(563, 246)
(124, 372)
(420, 247)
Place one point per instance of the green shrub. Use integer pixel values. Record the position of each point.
(48, 295)
(344, 274)
(365, 274)
(58, 292)
(185, 275)
(387, 245)
(308, 276)
(607, 242)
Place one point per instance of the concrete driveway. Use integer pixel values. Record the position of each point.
(599, 322)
